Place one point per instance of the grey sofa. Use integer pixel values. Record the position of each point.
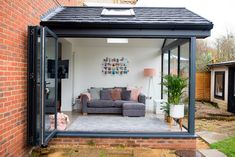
(106, 106)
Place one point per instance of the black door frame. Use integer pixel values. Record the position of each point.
(35, 135)
(231, 97)
(46, 136)
(32, 135)
(223, 81)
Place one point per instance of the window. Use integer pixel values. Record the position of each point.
(118, 12)
(174, 61)
(165, 63)
(219, 85)
(184, 72)
(165, 71)
(184, 60)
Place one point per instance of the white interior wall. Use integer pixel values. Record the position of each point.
(89, 54)
(67, 84)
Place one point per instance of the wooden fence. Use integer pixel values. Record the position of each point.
(203, 86)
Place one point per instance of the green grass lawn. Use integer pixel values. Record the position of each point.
(226, 146)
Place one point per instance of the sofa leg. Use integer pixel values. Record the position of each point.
(84, 114)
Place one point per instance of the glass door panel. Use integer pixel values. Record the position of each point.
(42, 85)
(38, 86)
(49, 84)
(184, 72)
(165, 70)
(174, 61)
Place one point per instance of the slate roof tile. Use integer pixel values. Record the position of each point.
(143, 15)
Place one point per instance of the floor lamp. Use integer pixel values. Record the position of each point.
(149, 72)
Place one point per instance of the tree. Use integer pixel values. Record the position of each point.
(225, 46)
(203, 56)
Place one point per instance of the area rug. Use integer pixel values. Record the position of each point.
(94, 123)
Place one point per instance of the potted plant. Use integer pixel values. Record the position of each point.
(174, 88)
(166, 110)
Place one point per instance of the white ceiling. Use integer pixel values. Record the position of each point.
(101, 42)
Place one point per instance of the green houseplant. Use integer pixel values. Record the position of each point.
(166, 109)
(174, 88)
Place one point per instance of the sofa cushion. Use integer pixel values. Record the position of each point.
(119, 103)
(101, 103)
(126, 95)
(122, 88)
(105, 95)
(135, 92)
(116, 94)
(133, 106)
(108, 88)
(95, 92)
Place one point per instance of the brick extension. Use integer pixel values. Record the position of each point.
(15, 16)
(157, 143)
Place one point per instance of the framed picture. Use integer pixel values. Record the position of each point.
(115, 66)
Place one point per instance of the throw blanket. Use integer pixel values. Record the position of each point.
(86, 94)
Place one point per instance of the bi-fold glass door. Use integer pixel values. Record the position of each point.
(42, 85)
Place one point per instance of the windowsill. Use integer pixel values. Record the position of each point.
(126, 135)
(219, 97)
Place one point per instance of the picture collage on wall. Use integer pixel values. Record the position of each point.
(115, 66)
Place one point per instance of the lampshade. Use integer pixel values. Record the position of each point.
(149, 72)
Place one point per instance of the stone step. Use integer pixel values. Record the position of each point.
(211, 153)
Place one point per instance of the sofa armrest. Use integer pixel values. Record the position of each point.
(85, 98)
(142, 98)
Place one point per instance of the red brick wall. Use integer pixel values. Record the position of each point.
(157, 143)
(15, 16)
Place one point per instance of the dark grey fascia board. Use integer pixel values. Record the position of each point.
(130, 33)
(125, 135)
(127, 25)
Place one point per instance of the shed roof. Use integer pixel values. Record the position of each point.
(227, 63)
(145, 17)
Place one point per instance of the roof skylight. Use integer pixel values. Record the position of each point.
(117, 40)
(118, 12)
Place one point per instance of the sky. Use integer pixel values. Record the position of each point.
(220, 12)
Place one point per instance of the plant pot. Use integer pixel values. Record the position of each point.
(177, 111)
(167, 118)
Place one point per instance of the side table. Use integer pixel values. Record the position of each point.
(158, 103)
